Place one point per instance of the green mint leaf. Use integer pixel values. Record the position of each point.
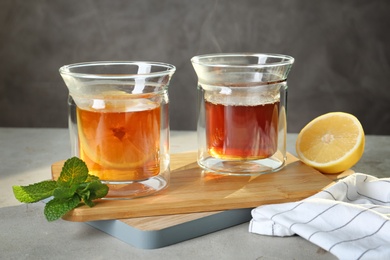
(73, 186)
(91, 178)
(56, 208)
(74, 171)
(34, 192)
(92, 190)
(88, 201)
(98, 190)
(64, 192)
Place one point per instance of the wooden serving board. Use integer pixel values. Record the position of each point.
(194, 194)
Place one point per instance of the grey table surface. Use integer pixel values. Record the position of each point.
(26, 155)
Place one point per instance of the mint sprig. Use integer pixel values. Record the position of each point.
(74, 186)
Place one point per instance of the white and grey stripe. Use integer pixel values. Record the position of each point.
(349, 219)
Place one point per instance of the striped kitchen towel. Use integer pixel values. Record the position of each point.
(350, 219)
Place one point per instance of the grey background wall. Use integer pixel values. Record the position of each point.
(341, 47)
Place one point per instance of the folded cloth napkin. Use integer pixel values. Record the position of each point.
(350, 219)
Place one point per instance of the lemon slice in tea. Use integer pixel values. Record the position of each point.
(120, 140)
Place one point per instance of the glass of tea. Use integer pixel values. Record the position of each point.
(119, 125)
(242, 112)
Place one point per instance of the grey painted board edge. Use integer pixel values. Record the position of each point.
(175, 234)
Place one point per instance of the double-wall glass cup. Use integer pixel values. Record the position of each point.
(119, 125)
(242, 112)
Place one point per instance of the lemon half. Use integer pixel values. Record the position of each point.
(331, 143)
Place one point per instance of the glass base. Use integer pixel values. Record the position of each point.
(135, 189)
(242, 168)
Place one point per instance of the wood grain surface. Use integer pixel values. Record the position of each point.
(195, 193)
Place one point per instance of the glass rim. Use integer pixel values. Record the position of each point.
(202, 60)
(65, 70)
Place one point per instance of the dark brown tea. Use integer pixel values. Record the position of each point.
(236, 132)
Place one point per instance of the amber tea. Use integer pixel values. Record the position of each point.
(119, 123)
(121, 145)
